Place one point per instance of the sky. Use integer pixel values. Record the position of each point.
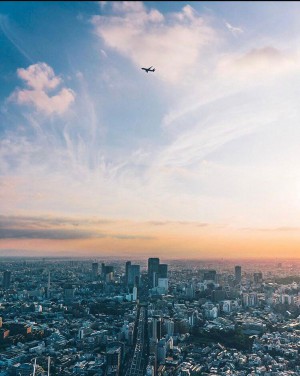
(199, 159)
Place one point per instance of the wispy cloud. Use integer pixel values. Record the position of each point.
(9, 233)
(65, 228)
(8, 30)
(233, 29)
(44, 222)
(51, 234)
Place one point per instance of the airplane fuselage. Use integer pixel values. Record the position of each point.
(148, 69)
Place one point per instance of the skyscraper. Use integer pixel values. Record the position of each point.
(153, 265)
(162, 271)
(127, 267)
(155, 328)
(6, 279)
(95, 269)
(107, 270)
(238, 273)
(134, 275)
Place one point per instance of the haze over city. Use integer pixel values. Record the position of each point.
(198, 159)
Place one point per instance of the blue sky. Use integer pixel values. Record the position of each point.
(210, 137)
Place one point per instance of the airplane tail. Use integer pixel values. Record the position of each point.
(153, 69)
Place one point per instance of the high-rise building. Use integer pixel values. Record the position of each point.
(163, 285)
(162, 271)
(153, 263)
(95, 269)
(238, 274)
(127, 267)
(6, 279)
(107, 272)
(156, 328)
(134, 274)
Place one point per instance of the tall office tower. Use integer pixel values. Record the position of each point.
(238, 274)
(103, 270)
(107, 272)
(6, 279)
(156, 328)
(162, 271)
(134, 274)
(153, 263)
(127, 267)
(95, 269)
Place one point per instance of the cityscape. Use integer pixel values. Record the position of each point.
(149, 188)
(149, 318)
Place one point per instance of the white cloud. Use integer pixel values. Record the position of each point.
(172, 43)
(103, 53)
(40, 78)
(261, 62)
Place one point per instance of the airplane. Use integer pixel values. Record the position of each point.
(149, 69)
